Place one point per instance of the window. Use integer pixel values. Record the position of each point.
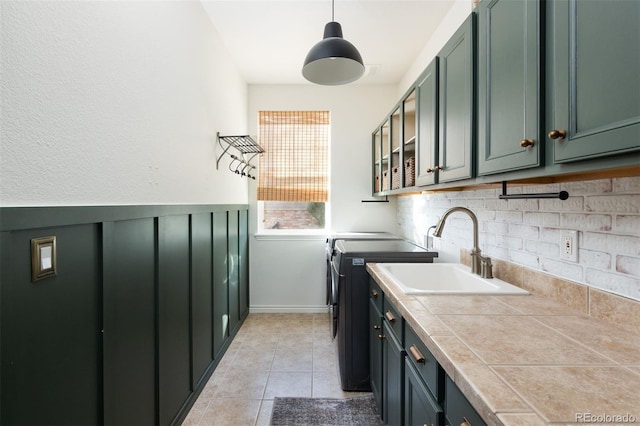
(293, 174)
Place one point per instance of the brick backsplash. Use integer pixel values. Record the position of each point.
(605, 212)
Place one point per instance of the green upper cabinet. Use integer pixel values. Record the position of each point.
(594, 78)
(509, 95)
(456, 111)
(427, 123)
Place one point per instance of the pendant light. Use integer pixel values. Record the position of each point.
(333, 60)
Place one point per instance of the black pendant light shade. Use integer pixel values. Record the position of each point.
(333, 60)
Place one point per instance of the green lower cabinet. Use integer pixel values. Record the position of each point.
(457, 408)
(420, 407)
(392, 357)
(375, 353)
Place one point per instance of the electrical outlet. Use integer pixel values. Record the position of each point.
(569, 246)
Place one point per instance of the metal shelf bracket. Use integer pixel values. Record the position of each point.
(248, 149)
(563, 195)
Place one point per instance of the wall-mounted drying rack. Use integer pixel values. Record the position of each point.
(248, 149)
(563, 195)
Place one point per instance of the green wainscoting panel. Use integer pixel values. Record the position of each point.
(130, 322)
(174, 343)
(220, 284)
(201, 294)
(234, 272)
(50, 334)
(134, 323)
(244, 263)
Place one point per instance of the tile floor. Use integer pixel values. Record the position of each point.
(272, 355)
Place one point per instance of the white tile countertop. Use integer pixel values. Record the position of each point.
(526, 359)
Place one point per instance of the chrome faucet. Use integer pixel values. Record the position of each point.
(479, 265)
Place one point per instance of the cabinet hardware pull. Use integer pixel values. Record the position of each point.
(526, 142)
(558, 134)
(390, 316)
(376, 327)
(465, 422)
(415, 353)
(374, 294)
(381, 336)
(430, 170)
(439, 168)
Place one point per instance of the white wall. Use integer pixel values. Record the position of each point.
(287, 274)
(451, 22)
(115, 103)
(606, 214)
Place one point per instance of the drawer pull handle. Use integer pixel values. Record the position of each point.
(465, 422)
(415, 353)
(526, 143)
(374, 294)
(381, 336)
(376, 327)
(390, 317)
(558, 134)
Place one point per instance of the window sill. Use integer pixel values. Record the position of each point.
(293, 234)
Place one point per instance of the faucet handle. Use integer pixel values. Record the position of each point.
(486, 270)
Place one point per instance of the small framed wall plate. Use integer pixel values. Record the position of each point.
(43, 258)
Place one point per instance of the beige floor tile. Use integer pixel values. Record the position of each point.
(273, 355)
(324, 359)
(242, 384)
(327, 385)
(231, 412)
(252, 360)
(288, 383)
(264, 415)
(293, 359)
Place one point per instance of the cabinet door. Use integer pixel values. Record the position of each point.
(594, 65)
(457, 101)
(419, 406)
(396, 149)
(409, 139)
(375, 353)
(392, 378)
(376, 142)
(508, 86)
(427, 123)
(457, 408)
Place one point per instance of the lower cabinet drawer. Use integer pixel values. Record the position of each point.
(375, 294)
(419, 406)
(394, 319)
(457, 408)
(424, 363)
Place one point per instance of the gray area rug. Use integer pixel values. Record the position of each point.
(325, 411)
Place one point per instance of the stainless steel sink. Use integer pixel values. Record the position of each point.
(444, 278)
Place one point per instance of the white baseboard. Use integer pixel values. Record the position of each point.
(274, 309)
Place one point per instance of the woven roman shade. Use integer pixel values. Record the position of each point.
(294, 166)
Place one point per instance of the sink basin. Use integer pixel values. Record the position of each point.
(444, 278)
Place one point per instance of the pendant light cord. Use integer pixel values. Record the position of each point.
(332, 10)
